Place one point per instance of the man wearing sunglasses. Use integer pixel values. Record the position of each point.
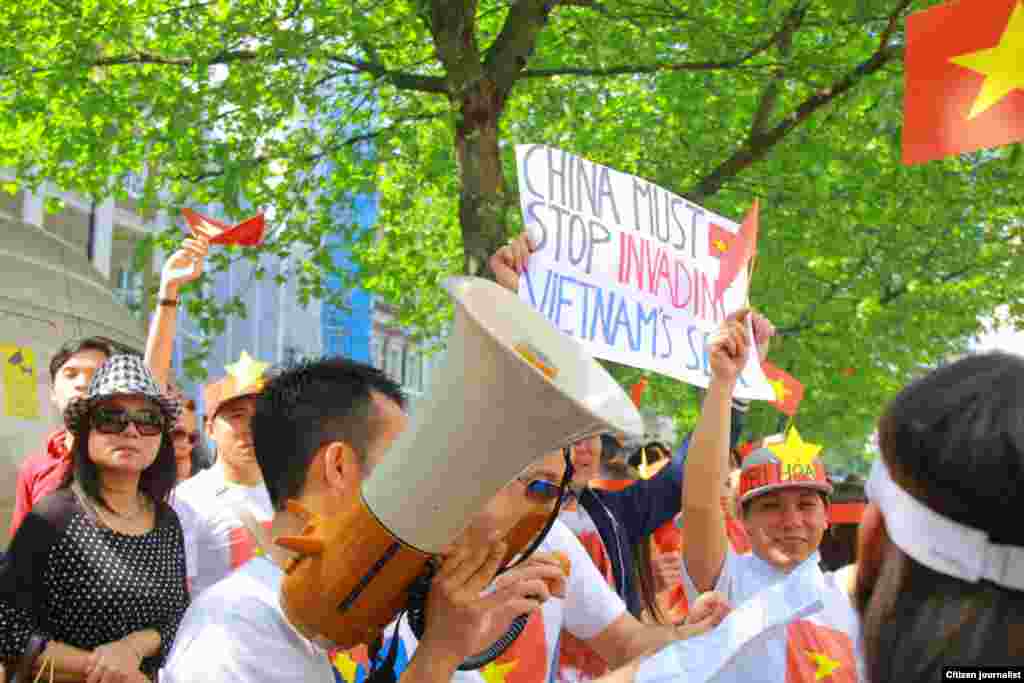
(319, 430)
(225, 510)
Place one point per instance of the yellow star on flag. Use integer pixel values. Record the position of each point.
(495, 673)
(826, 665)
(346, 666)
(794, 451)
(779, 387)
(247, 371)
(1002, 65)
(721, 246)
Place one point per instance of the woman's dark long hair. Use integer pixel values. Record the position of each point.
(954, 440)
(156, 481)
(643, 574)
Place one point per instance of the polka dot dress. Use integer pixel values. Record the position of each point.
(83, 584)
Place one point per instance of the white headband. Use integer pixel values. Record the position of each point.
(938, 542)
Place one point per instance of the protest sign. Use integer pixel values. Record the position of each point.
(636, 274)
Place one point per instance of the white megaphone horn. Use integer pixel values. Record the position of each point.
(512, 388)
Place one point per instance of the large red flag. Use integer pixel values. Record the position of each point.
(788, 390)
(964, 73)
(734, 250)
(248, 233)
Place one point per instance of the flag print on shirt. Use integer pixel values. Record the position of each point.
(353, 666)
(818, 653)
(243, 545)
(576, 660)
(525, 661)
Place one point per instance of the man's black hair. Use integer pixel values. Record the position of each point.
(310, 403)
(106, 346)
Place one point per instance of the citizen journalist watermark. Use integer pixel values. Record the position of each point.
(983, 673)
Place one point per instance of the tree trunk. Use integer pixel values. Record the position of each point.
(483, 202)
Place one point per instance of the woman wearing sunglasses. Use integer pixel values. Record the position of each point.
(94, 583)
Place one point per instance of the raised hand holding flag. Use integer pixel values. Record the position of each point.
(248, 233)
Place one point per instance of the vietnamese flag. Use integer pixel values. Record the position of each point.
(815, 652)
(964, 78)
(248, 233)
(788, 390)
(734, 250)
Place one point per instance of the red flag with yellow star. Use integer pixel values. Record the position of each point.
(734, 250)
(964, 78)
(788, 390)
(818, 653)
(248, 233)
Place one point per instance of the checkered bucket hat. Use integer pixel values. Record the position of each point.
(125, 375)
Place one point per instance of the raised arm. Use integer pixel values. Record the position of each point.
(184, 266)
(707, 463)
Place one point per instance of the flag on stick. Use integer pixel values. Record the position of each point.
(734, 250)
(788, 390)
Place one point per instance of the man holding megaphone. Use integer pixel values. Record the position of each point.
(319, 430)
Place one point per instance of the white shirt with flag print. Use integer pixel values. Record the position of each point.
(217, 541)
(820, 647)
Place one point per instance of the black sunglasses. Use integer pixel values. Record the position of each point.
(542, 490)
(114, 421)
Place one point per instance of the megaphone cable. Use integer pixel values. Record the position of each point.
(420, 589)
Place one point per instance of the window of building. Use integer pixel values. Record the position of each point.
(336, 341)
(393, 363)
(413, 376)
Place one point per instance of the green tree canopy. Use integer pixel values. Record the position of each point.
(870, 269)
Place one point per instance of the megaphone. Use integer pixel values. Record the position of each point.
(512, 388)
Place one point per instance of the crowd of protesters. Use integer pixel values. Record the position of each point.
(136, 554)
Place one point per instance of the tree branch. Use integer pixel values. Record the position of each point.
(758, 145)
(151, 58)
(453, 27)
(319, 156)
(507, 56)
(400, 79)
(770, 95)
(787, 27)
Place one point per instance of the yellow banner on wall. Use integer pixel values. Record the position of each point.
(21, 391)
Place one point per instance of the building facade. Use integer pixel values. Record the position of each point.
(277, 328)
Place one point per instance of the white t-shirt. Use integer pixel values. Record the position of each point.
(576, 661)
(824, 646)
(236, 631)
(589, 607)
(217, 541)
